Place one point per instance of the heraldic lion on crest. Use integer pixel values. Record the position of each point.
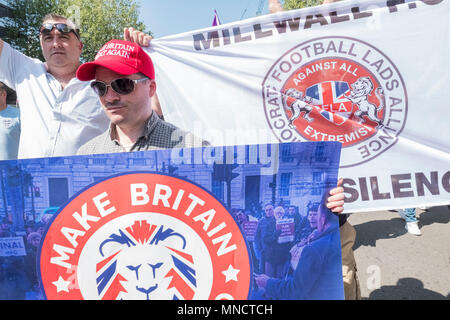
(301, 104)
(359, 93)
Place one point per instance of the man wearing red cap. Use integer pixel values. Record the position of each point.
(59, 113)
(125, 84)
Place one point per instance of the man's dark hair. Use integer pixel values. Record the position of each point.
(313, 207)
(54, 16)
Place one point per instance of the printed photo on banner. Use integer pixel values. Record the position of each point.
(212, 223)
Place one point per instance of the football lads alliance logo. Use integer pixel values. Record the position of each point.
(144, 236)
(337, 89)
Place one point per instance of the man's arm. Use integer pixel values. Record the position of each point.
(11, 62)
(6, 73)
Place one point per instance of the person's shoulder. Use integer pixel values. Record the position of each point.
(178, 138)
(17, 68)
(84, 85)
(94, 145)
(163, 125)
(14, 111)
(11, 112)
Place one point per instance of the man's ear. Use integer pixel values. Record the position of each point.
(152, 88)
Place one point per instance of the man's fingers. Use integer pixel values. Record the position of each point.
(335, 201)
(129, 34)
(336, 191)
(147, 40)
(336, 207)
(136, 36)
(126, 34)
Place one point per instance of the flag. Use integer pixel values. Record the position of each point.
(216, 20)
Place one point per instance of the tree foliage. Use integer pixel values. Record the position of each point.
(23, 24)
(99, 21)
(297, 4)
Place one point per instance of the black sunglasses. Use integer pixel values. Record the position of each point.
(121, 86)
(46, 28)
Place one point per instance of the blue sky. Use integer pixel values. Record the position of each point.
(166, 17)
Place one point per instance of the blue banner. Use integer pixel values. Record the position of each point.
(216, 223)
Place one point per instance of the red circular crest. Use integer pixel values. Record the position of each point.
(144, 236)
(326, 86)
(337, 89)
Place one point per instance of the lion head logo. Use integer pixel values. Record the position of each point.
(145, 261)
(361, 87)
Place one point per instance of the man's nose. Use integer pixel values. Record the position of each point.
(111, 97)
(57, 42)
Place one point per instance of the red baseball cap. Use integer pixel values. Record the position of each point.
(120, 56)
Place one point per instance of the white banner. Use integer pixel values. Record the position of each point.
(373, 75)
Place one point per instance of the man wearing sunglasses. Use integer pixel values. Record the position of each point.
(59, 113)
(124, 81)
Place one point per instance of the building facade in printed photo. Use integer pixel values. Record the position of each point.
(35, 185)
